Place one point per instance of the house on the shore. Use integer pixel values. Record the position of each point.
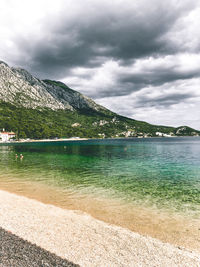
(6, 136)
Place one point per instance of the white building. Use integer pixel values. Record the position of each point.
(164, 135)
(6, 136)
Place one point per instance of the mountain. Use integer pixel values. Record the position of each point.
(37, 108)
(19, 87)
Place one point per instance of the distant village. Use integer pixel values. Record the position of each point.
(7, 136)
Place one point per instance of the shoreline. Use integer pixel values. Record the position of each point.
(87, 139)
(82, 239)
(167, 226)
(44, 141)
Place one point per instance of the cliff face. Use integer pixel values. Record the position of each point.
(19, 87)
(67, 96)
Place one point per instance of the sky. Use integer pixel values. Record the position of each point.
(138, 58)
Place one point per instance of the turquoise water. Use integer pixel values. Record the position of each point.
(157, 172)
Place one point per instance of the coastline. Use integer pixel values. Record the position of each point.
(85, 139)
(78, 237)
(44, 140)
(168, 227)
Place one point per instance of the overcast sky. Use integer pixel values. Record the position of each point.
(139, 58)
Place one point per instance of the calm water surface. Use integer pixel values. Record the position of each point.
(163, 173)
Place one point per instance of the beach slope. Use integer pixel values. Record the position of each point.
(83, 240)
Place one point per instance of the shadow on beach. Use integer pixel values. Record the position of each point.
(15, 251)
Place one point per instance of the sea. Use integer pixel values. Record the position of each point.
(115, 180)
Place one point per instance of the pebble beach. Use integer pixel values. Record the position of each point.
(77, 238)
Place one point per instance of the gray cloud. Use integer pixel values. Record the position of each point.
(134, 82)
(163, 101)
(97, 33)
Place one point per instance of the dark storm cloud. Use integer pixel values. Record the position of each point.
(163, 101)
(55, 58)
(155, 78)
(97, 33)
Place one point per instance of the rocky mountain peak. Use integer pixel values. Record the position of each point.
(3, 63)
(19, 87)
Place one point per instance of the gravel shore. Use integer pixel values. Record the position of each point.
(15, 251)
(83, 240)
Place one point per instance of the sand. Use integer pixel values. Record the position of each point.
(83, 240)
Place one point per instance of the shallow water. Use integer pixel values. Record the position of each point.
(119, 177)
(164, 173)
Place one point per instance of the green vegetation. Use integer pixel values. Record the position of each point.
(47, 123)
(60, 84)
